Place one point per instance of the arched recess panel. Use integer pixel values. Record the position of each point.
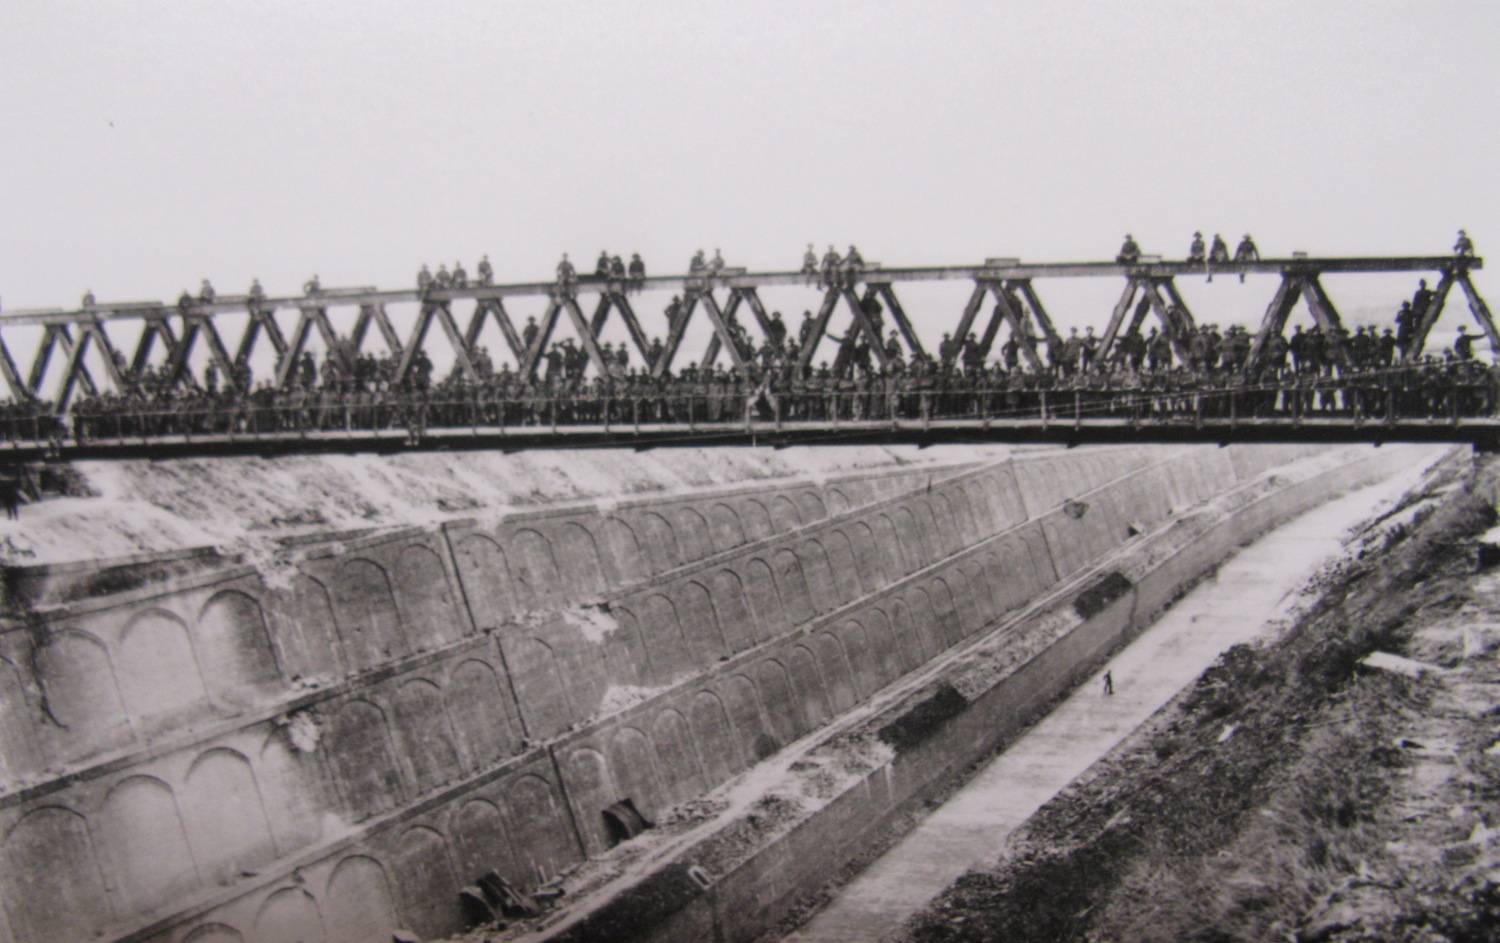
(625, 657)
(310, 645)
(912, 644)
(427, 604)
(358, 902)
(848, 580)
(893, 555)
(677, 757)
(625, 549)
(426, 882)
(945, 611)
(951, 530)
(868, 560)
(802, 665)
(483, 843)
(362, 761)
(780, 704)
(79, 683)
(540, 824)
(482, 713)
(586, 776)
(578, 556)
(914, 540)
(235, 647)
(926, 619)
(885, 651)
(725, 527)
(765, 602)
(424, 734)
(694, 537)
(665, 642)
(486, 579)
(290, 915)
(810, 507)
(784, 514)
(537, 677)
(833, 665)
(700, 623)
(661, 542)
(158, 672)
(227, 826)
(823, 592)
(714, 736)
(735, 620)
(757, 520)
(534, 567)
(367, 614)
(742, 702)
(294, 791)
(140, 830)
(52, 885)
(634, 768)
(18, 752)
(864, 672)
(838, 502)
(792, 582)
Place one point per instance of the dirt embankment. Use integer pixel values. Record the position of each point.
(1292, 794)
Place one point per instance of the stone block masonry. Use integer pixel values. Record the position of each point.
(328, 745)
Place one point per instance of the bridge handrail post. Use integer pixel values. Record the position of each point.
(1043, 391)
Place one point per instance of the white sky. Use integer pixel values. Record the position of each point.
(149, 144)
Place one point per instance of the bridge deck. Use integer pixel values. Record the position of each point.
(1481, 432)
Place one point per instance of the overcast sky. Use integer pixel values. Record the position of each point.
(149, 144)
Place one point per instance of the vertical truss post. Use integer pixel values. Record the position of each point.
(18, 389)
(966, 321)
(1327, 317)
(586, 336)
(1014, 314)
(1116, 318)
(543, 335)
(633, 325)
(820, 326)
(1274, 322)
(1481, 311)
(903, 323)
(1430, 316)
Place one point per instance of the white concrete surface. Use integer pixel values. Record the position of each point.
(1251, 590)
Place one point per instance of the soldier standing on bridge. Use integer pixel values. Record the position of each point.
(1130, 252)
(1463, 347)
(1246, 252)
(1464, 247)
(485, 271)
(529, 332)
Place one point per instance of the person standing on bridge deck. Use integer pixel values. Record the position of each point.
(810, 265)
(1420, 301)
(1246, 252)
(1463, 347)
(485, 271)
(1198, 251)
(1387, 348)
(637, 271)
(529, 332)
(1130, 252)
(1464, 247)
(831, 263)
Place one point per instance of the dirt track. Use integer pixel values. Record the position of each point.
(1291, 793)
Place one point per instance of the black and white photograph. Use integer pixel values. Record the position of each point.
(834, 471)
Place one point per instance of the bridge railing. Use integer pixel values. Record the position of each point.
(1369, 396)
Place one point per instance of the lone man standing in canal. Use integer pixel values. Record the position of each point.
(1109, 682)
